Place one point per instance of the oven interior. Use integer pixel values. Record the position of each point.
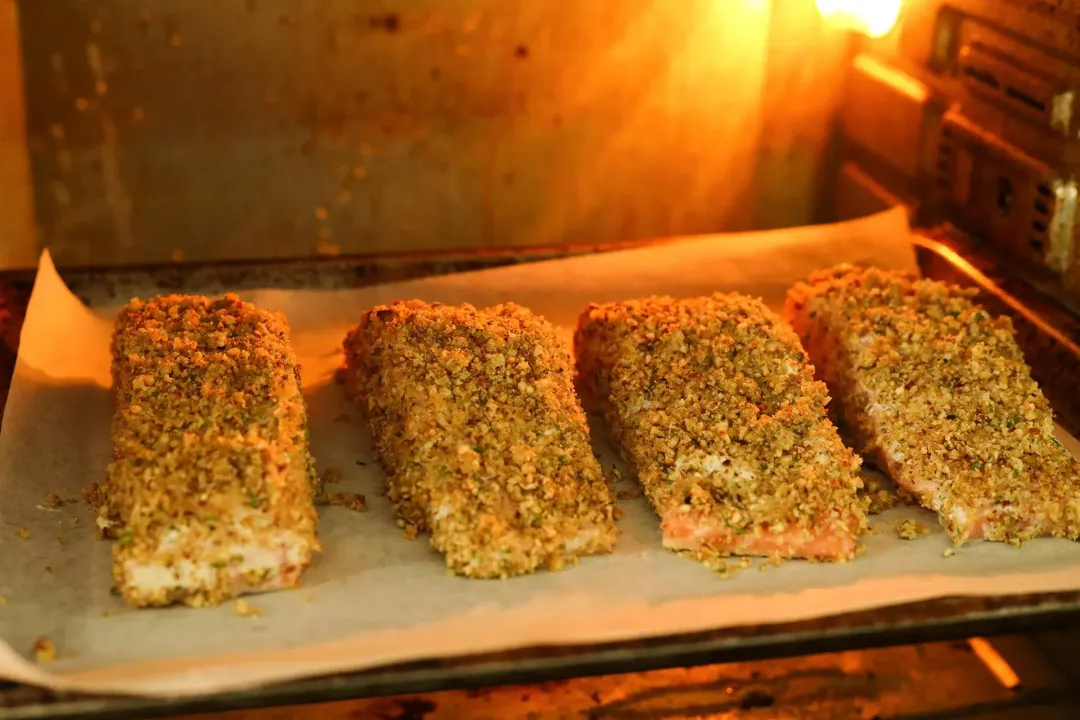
(422, 137)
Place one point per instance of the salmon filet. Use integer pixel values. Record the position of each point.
(484, 442)
(209, 492)
(936, 391)
(715, 409)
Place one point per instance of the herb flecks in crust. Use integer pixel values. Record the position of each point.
(937, 392)
(209, 491)
(484, 443)
(713, 405)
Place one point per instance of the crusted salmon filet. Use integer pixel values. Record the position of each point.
(936, 391)
(209, 492)
(715, 409)
(483, 441)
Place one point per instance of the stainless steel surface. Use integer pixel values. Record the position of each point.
(982, 124)
(161, 129)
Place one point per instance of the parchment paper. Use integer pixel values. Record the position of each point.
(373, 597)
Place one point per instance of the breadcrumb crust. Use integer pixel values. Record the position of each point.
(484, 443)
(937, 391)
(210, 450)
(712, 403)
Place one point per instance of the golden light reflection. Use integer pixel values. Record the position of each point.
(872, 17)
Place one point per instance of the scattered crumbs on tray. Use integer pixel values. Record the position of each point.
(410, 532)
(332, 475)
(48, 569)
(727, 569)
(305, 599)
(22, 533)
(94, 495)
(343, 418)
(60, 539)
(877, 495)
(54, 502)
(771, 562)
(949, 552)
(910, 530)
(74, 521)
(628, 494)
(3, 600)
(245, 609)
(44, 650)
(354, 501)
(361, 463)
(617, 513)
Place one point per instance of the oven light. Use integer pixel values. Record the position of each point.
(872, 17)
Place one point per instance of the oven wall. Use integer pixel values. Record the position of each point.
(16, 213)
(182, 129)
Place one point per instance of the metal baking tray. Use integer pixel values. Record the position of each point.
(1048, 330)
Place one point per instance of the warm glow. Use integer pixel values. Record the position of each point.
(995, 663)
(873, 17)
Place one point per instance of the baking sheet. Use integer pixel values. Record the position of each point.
(372, 597)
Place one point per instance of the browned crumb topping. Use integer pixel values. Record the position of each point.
(910, 530)
(245, 609)
(713, 405)
(210, 446)
(485, 446)
(937, 390)
(22, 533)
(44, 650)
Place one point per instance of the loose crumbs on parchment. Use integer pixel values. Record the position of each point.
(94, 495)
(53, 501)
(332, 475)
(949, 552)
(44, 650)
(910, 530)
(354, 501)
(878, 498)
(3, 600)
(246, 609)
(23, 534)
